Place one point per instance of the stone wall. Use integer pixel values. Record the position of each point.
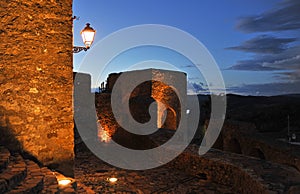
(111, 80)
(241, 173)
(169, 111)
(36, 113)
(171, 100)
(84, 108)
(243, 138)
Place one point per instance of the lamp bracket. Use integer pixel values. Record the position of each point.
(75, 17)
(77, 49)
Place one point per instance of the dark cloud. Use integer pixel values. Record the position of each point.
(250, 65)
(190, 66)
(268, 89)
(264, 44)
(285, 17)
(195, 87)
(271, 53)
(286, 60)
(194, 78)
(187, 66)
(292, 76)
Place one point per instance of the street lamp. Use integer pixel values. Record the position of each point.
(87, 34)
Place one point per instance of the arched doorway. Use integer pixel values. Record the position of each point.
(168, 119)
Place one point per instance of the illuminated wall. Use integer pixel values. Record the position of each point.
(36, 114)
(171, 99)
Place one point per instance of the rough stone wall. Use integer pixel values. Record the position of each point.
(140, 100)
(243, 174)
(110, 129)
(242, 138)
(146, 93)
(174, 99)
(105, 114)
(36, 113)
(112, 78)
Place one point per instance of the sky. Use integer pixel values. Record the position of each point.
(256, 44)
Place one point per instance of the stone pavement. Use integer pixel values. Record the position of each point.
(214, 172)
(19, 175)
(95, 174)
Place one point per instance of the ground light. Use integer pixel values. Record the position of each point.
(64, 182)
(113, 180)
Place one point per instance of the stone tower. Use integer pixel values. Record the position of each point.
(36, 80)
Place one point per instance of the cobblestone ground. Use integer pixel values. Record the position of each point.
(94, 173)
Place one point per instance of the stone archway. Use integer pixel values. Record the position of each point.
(168, 119)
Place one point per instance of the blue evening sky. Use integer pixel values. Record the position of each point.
(218, 24)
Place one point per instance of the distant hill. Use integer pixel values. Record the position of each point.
(269, 114)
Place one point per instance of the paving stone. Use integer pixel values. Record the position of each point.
(215, 172)
(3, 186)
(33, 182)
(68, 190)
(219, 173)
(11, 175)
(25, 176)
(4, 158)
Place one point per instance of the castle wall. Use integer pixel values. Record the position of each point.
(170, 108)
(36, 114)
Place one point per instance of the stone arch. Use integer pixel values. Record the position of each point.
(258, 153)
(234, 146)
(168, 119)
(169, 105)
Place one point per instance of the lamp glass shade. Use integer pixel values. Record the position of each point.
(88, 35)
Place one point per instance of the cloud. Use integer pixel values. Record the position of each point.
(195, 87)
(286, 60)
(264, 44)
(292, 76)
(190, 66)
(250, 65)
(187, 66)
(285, 17)
(271, 53)
(194, 78)
(268, 89)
